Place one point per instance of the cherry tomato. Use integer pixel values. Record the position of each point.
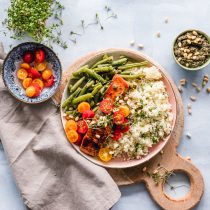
(104, 154)
(70, 125)
(117, 135)
(25, 65)
(49, 82)
(79, 140)
(37, 88)
(34, 73)
(123, 127)
(82, 127)
(125, 110)
(46, 74)
(72, 136)
(88, 114)
(39, 82)
(83, 106)
(106, 106)
(27, 82)
(28, 57)
(22, 74)
(30, 91)
(118, 117)
(39, 56)
(41, 66)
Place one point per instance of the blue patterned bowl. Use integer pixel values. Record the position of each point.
(11, 65)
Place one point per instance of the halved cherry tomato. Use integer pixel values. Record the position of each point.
(72, 136)
(39, 82)
(118, 118)
(37, 88)
(46, 74)
(83, 106)
(106, 106)
(49, 82)
(27, 82)
(70, 125)
(34, 73)
(41, 66)
(79, 140)
(28, 57)
(104, 154)
(22, 74)
(39, 56)
(25, 65)
(88, 114)
(125, 110)
(82, 127)
(117, 135)
(30, 91)
(123, 127)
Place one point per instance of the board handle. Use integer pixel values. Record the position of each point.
(195, 192)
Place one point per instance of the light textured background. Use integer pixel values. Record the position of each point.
(139, 20)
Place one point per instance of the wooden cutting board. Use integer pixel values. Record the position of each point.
(168, 159)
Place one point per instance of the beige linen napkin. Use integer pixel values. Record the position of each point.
(51, 175)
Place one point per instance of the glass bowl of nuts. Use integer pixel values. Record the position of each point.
(191, 49)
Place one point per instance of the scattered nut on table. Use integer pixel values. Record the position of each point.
(189, 136)
(188, 158)
(166, 19)
(158, 34)
(193, 98)
(180, 89)
(183, 82)
(208, 90)
(132, 42)
(205, 80)
(140, 46)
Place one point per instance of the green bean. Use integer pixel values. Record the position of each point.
(70, 98)
(96, 97)
(104, 60)
(94, 75)
(103, 69)
(103, 65)
(79, 71)
(77, 84)
(81, 98)
(132, 76)
(105, 56)
(133, 65)
(70, 86)
(86, 86)
(119, 62)
(92, 103)
(96, 89)
(74, 77)
(126, 72)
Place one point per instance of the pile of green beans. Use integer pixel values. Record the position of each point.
(89, 83)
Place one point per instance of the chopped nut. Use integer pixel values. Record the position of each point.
(180, 89)
(195, 33)
(140, 46)
(183, 82)
(132, 42)
(158, 34)
(192, 98)
(98, 136)
(188, 135)
(76, 118)
(194, 84)
(188, 158)
(67, 117)
(161, 152)
(208, 90)
(126, 98)
(144, 169)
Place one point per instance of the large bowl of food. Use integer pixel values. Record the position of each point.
(118, 108)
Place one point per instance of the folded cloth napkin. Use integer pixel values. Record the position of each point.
(49, 172)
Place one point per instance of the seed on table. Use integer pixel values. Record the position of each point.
(183, 82)
(198, 89)
(144, 169)
(132, 42)
(205, 80)
(166, 19)
(140, 46)
(189, 105)
(189, 136)
(194, 84)
(189, 111)
(158, 34)
(192, 98)
(208, 90)
(180, 89)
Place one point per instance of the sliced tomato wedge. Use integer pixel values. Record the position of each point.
(117, 87)
(118, 118)
(38, 89)
(88, 114)
(34, 73)
(123, 127)
(117, 135)
(106, 106)
(82, 127)
(49, 82)
(39, 56)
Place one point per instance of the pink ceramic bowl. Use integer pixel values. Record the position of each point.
(119, 163)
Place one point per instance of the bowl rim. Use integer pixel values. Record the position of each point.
(188, 68)
(3, 72)
(90, 57)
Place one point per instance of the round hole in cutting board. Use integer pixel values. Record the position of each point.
(177, 186)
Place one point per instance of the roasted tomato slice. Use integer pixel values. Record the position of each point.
(123, 127)
(37, 88)
(117, 135)
(28, 57)
(88, 114)
(39, 56)
(82, 127)
(39, 82)
(104, 154)
(34, 73)
(106, 106)
(117, 87)
(118, 118)
(49, 82)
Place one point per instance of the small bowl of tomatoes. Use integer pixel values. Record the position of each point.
(32, 72)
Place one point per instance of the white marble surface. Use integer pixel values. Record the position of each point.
(139, 20)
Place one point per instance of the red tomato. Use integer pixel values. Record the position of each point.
(82, 127)
(88, 114)
(49, 82)
(34, 73)
(37, 88)
(123, 127)
(118, 118)
(79, 140)
(39, 56)
(117, 135)
(28, 57)
(106, 106)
